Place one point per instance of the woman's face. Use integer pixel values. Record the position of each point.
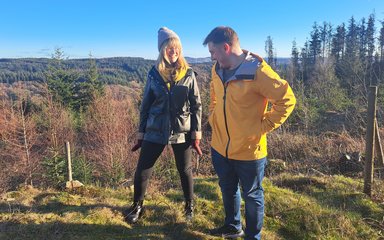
(172, 54)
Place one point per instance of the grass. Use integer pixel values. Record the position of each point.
(297, 207)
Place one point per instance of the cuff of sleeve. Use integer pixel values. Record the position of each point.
(196, 135)
(140, 136)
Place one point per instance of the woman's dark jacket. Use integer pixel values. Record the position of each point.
(170, 113)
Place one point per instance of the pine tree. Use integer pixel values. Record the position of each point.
(269, 51)
(294, 65)
(352, 42)
(381, 43)
(370, 38)
(326, 38)
(362, 41)
(93, 78)
(89, 87)
(315, 44)
(60, 80)
(305, 61)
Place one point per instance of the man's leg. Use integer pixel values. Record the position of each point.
(251, 175)
(229, 184)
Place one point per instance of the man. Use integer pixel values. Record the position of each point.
(242, 85)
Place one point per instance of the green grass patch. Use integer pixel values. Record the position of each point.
(297, 207)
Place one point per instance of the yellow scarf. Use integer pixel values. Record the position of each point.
(171, 74)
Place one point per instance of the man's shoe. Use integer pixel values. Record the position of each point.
(134, 213)
(227, 231)
(188, 210)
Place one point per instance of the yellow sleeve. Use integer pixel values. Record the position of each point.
(278, 92)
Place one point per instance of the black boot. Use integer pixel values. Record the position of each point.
(134, 213)
(188, 210)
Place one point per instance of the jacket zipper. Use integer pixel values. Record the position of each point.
(168, 92)
(225, 85)
(225, 120)
(171, 111)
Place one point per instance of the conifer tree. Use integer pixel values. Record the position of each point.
(61, 81)
(326, 38)
(381, 43)
(294, 64)
(89, 87)
(315, 44)
(351, 50)
(362, 42)
(305, 61)
(269, 51)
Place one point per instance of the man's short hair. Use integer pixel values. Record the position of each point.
(222, 34)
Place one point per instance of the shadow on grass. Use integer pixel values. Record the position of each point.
(158, 222)
(346, 201)
(59, 230)
(301, 184)
(162, 220)
(342, 200)
(53, 207)
(352, 202)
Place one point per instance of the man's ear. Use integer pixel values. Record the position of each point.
(227, 48)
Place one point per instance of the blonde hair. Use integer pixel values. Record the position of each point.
(161, 62)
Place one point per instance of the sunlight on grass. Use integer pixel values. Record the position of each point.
(297, 207)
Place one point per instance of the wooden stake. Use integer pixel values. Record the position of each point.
(379, 146)
(70, 183)
(69, 162)
(370, 141)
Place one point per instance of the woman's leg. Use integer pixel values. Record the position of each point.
(183, 157)
(149, 153)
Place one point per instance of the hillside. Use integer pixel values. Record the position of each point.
(297, 207)
(117, 70)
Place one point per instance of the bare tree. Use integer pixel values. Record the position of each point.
(108, 132)
(18, 136)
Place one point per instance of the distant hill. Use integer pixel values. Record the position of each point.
(280, 61)
(283, 61)
(118, 70)
(198, 60)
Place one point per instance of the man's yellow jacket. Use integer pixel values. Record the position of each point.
(239, 114)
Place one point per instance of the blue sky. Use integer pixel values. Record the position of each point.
(129, 28)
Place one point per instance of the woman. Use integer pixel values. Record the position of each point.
(170, 114)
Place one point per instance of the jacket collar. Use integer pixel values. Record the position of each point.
(247, 68)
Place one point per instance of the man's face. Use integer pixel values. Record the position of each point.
(220, 53)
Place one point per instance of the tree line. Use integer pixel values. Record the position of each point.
(331, 73)
(117, 70)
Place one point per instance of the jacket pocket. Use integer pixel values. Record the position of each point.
(247, 139)
(183, 122)
(155, 121)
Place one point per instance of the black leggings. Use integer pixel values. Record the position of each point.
(149, 153)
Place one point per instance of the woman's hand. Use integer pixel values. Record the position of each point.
(195, 145)
(137, 145)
